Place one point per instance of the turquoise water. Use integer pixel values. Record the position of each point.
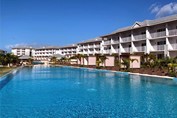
(59, 92)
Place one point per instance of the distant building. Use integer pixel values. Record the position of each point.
(69, 50)
(23, 50)
(90, 47)
(45, 53)
(2, 51)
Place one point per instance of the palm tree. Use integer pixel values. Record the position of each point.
(53, 59)
(100, 59)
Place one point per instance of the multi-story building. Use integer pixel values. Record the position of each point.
(23, 50)
(45, 53)
(150, 36)
(2, 51)
(69, 50)
(90, 47)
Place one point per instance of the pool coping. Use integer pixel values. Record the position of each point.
(15, 69)
(130, 73)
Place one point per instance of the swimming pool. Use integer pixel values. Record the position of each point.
(43, 91)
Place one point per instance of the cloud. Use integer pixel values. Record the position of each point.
(165, 10)
(15, 45)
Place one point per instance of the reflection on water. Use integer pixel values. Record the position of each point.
(72, 92)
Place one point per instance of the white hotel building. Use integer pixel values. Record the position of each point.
(69, 50)
(23, 50)
(45, 53)
(90, 47)
(150, 36)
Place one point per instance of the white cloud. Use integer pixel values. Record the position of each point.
(165, 10)
(15, 45)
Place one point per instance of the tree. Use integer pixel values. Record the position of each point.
(53, 60)
(100, 59)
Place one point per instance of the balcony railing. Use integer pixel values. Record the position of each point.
(140, 37)
(108, 51)
(173, 32)
(127, 49)
(107, 42)
(141, 48)
(115, 42)
(126, 39)
(91, 46)
(117, 50)
(158, 34)
(97, 46)
(159, 47)
(174, 46)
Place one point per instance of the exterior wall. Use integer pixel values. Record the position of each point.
(135, 64)
(23, 51)
(91, 60)
(143, 39)
(109, 61)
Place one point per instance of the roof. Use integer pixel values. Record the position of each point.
(69, 46)
(145, 24)
(24, 57)
(23, 47)
(98, 39)
(47, 47)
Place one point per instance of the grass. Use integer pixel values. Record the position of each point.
(4, 70)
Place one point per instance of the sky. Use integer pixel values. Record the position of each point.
(65, 22)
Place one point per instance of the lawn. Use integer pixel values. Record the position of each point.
(4, 70)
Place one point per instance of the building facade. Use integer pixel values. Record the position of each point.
(91, 47)
(45, 53)
(25, 50)
(151, 36)
(158, 37)
(69, 50)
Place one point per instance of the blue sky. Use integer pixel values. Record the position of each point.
(63, 22)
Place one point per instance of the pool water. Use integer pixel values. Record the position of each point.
(55, 92)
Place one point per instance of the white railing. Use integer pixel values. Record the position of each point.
(115, 42)
(107, 42)
(117, 50)
(126, 39)
(158, 34)
(174, 46)
(140, 37)
(173, 32)
(108, 51)
(91, 46)
(127, 49)
(141, 48)
(159, 47)
(97, 46)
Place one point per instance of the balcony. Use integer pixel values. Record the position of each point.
(159, 47)
(115, 42)
(126, 39)
(158, 34)
(141, 48)
(107, 43)
(91, 46)
(174, 46)
(97, 46)
(117, 50)
(140, 37)
(108, 51)
(173, 32)
(127, 50)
